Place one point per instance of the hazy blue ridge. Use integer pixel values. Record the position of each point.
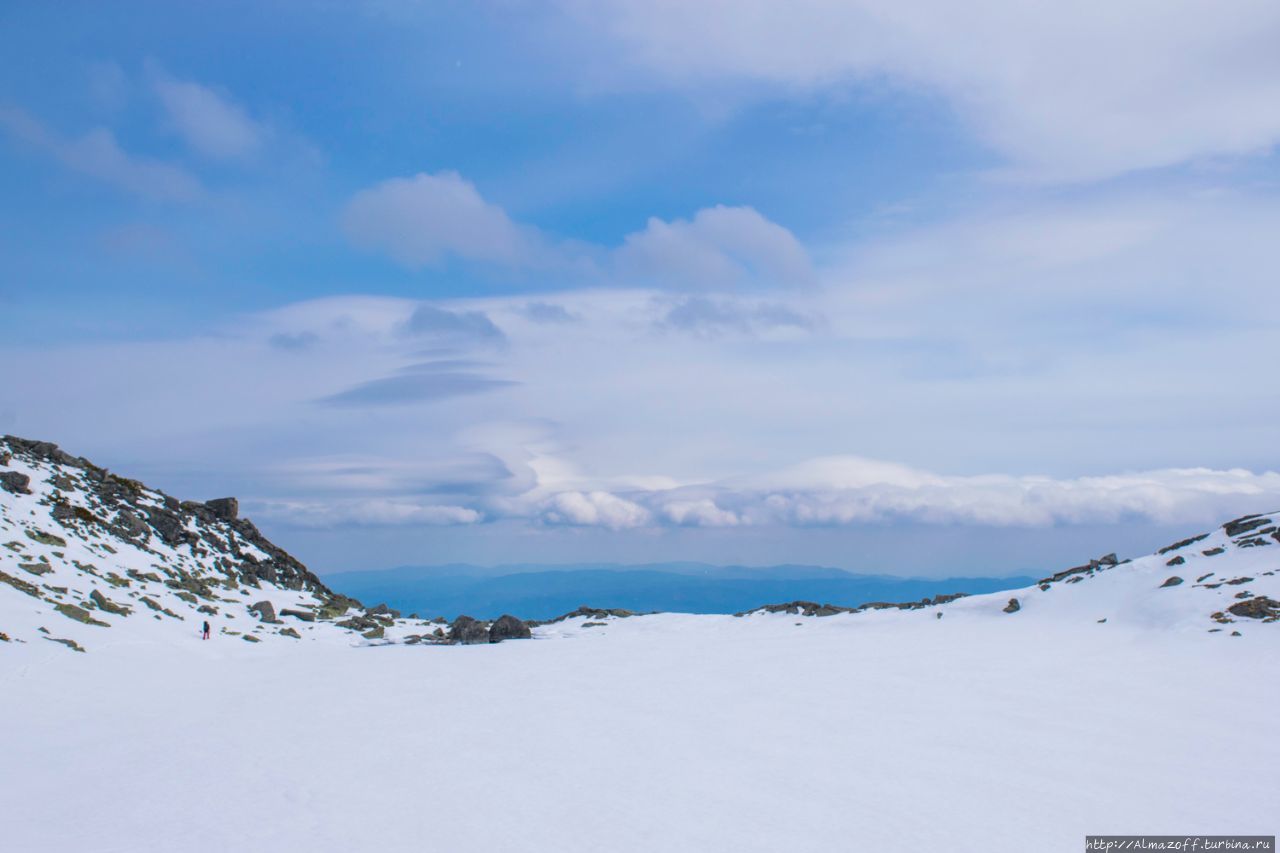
(541, 592)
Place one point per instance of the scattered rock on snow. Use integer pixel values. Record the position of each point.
(1013, 606)
(1173, 581)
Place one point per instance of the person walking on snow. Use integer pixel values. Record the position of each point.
(206, 629)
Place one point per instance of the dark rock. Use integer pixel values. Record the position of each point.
(304, 615)
(1173, 581)
(227, 509)
(289, 632)
(1213, 552)
(508, 627)
(79, 614)
(249, 638)
(1013, 606)
(1257, 608)
(21, 585)
(1201, 579)
(12, 481)
(468, 631)
(71, 644)
(266, 611)
(104, 603)
(1184, 543)
(1176, 561)
(46, 538)
(1245, 524)
(1238, 581)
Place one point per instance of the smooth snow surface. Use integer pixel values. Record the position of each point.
(885, 731)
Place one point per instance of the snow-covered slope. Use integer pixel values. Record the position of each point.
(1111, 699)
(1220, 581)
(88, 558)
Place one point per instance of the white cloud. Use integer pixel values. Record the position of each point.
(211, 123)
(594, 509)
(1067, 91)
(423, 220)
(844, 491)
(720, 247)
(429, 218)
(98, 155)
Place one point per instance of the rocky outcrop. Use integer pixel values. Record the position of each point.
(227, 509)
(1013, 606)
(130, 511)
(508, 627)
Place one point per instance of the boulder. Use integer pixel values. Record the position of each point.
(468, 631)
(104, 603)
(1013, 606)
(1176, 561)
(1257, 608)
(12, 481)
(266, 611)
(509, 628)
(1173, 581)
(304, 615)
(227, 509)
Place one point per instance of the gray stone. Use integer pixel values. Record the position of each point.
(1257, 608)
(304, 615)
(1013, 606)
(266, 611)
(12, 481)
(508, 627)
(227, 509)
(468, 631)
(104, 603)
(1173, 581)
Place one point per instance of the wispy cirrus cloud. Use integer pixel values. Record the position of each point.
(98, 155)
(210, 122)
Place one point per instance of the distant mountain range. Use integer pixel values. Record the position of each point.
(541, 591)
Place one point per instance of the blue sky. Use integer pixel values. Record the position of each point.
(748, 281)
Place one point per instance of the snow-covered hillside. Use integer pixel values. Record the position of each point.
(89, 558)
(1116, 697)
